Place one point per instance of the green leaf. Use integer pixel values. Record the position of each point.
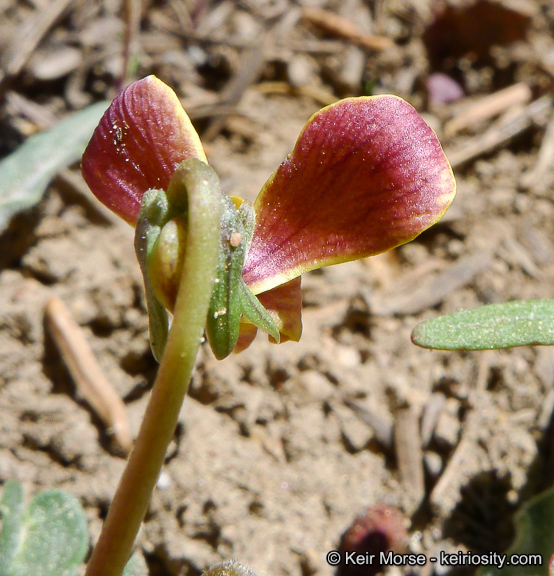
(491, 327)
(25, 174)
(11, 511)
(535, 535)
(53, 539)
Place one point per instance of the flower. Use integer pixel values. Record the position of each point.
(366, 175)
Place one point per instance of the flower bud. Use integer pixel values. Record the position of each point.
(165, 263)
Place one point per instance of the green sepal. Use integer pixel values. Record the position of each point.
(251, 307)
(231, 297)
(254, 310)
(154, 214)
(223, 325)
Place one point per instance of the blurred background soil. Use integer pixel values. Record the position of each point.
(279, 448)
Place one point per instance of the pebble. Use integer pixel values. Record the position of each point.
(447, 429)
(433, 463)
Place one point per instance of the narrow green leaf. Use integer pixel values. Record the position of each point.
(490, 327)
(11, 511)
(25, 174)
(54, 537)
(535, 535)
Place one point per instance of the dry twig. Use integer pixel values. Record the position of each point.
(247, 75)
(343, 28)
(488, 107)
(29, 35)
(407, 443)
(512, 123)
(545, 161)
(430, 290)
(89, 379)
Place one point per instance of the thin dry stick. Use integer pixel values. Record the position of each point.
(514, 122)
(431, 289)
(407, 443)
(343, 28)
(320, 95)
(29, 35)
(545, 161)
(83, 367)
(488, 107)
(131, 12)
(251, 68)
(430, 417)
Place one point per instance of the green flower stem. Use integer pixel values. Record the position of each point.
(139, 479)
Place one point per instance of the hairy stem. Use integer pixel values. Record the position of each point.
(170, 388)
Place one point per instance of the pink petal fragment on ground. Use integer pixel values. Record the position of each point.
(143, 136)
(442, 89)
(366, 175)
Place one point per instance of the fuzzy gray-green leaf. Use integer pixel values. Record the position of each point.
(25, 174)
(490, 327)
(11, 511)
(54, 537)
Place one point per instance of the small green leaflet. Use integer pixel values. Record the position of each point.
(490, 327)
(26, 173)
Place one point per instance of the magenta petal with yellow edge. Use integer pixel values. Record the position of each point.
(366, 175)
(143, 136)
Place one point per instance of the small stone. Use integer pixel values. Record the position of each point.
(310, 562)
(310, 386)
(300, 70)
(443, 89)
(164, 481)
(433, 463)
(447, 430)
(356, 434)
